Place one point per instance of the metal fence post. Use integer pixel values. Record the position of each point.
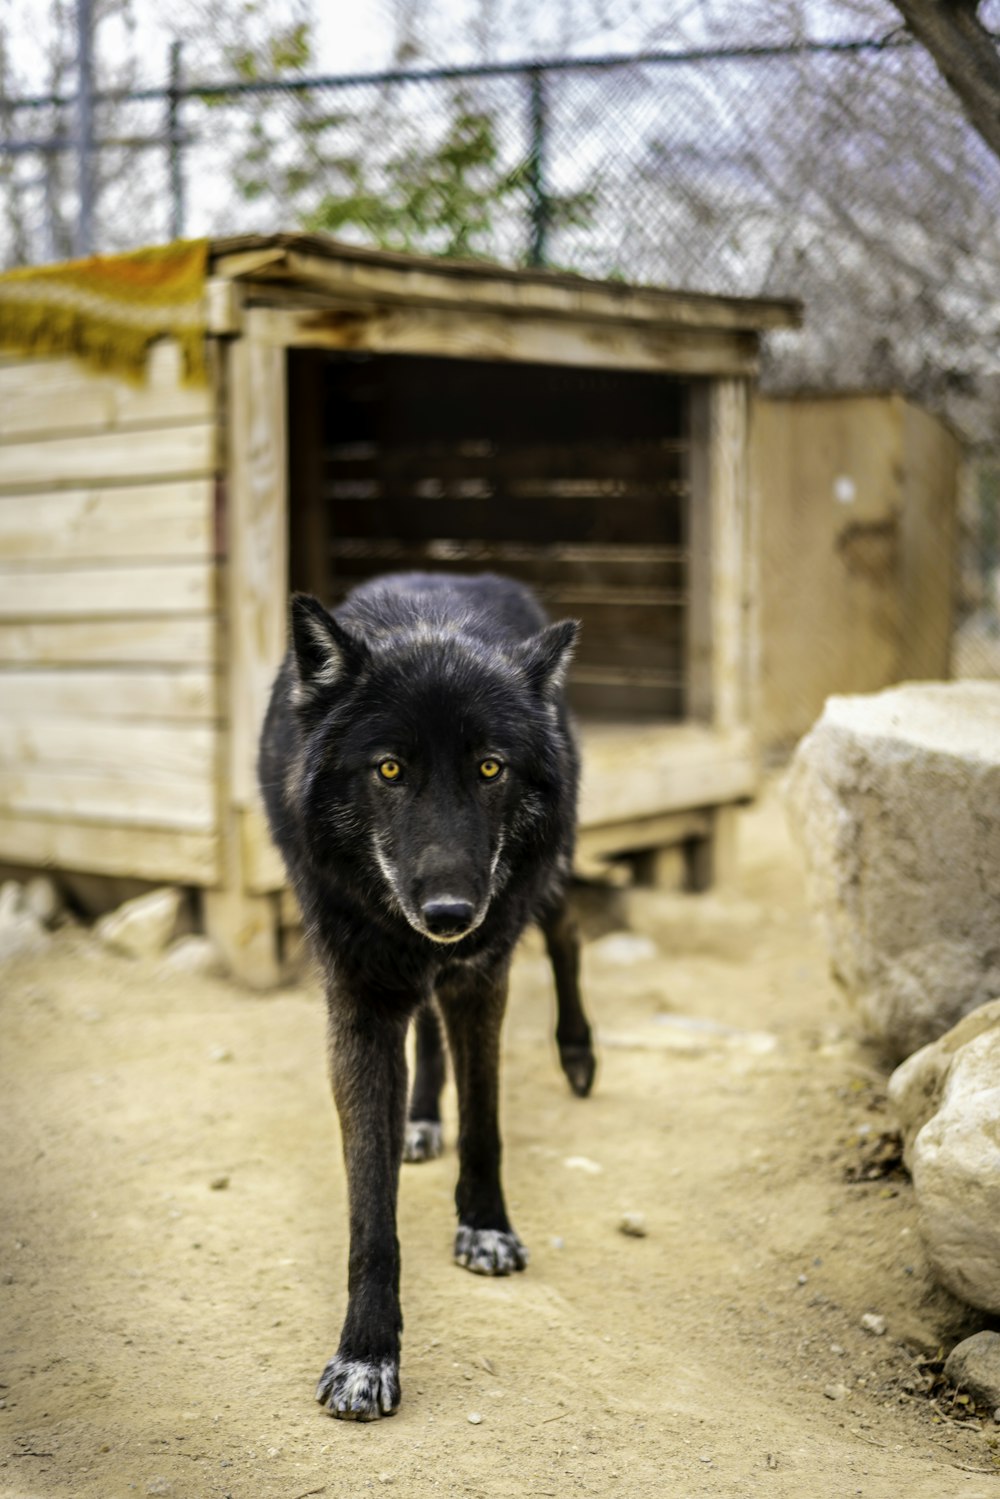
(175, 142)
(539, 207)
(83, 241)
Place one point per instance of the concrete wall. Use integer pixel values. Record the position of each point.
(857, 498)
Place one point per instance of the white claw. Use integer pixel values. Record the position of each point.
(489, 1251)
(422, 1141)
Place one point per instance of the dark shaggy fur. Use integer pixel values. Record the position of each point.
(420, 780)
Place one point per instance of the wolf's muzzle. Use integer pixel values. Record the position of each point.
(448, 918)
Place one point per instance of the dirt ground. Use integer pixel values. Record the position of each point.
(174, 1253)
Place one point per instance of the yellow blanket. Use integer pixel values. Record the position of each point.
(110, 308)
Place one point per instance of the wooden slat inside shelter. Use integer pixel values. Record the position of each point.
(574, 480)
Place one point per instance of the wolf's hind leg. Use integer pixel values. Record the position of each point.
(423, 1124)
(576, 1053)
(473, 1007)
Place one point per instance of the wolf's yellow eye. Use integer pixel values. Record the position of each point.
(389, 770)
(490, 769)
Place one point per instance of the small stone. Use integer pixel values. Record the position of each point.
(194, 955)
(803, 1280)
(557, 1242)
(583, 1163)
(874, 1323)
(21, 933)
(11, 901)
(42, 900)
(836, 1348)
(974, 1365)
(714, 923)
(633, 1225)
(141, 928)
(835, 1391)
(474, 1418)
(159, 1486)
(386, 1478)
(219, 1183)
(220, 1054)
(622, 949)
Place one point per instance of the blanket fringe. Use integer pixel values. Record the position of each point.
(109, 309)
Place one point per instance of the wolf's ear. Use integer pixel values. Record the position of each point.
(324, 652)
(545, 658)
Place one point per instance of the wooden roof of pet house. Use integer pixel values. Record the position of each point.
(310, 413)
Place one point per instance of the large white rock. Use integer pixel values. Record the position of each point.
(193, 956)
(142, 927)
(974, 1365)
(895, 797)
(917, 1086)
(947, 1097)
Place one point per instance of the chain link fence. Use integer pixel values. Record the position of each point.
(842, 173)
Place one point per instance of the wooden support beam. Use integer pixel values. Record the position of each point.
(243, 926)
(723, 649)
(733, 611)
(711, 859)
(471, 333)
(245, 923)
(257, 537)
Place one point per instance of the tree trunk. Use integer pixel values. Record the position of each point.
(966, 57)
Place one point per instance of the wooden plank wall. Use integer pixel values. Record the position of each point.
(928, 543)
(857, 551)
(109, 648)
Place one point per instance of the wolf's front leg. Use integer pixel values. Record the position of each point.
(368, 1069)
(473, 1006)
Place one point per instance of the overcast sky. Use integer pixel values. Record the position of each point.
(360, 35)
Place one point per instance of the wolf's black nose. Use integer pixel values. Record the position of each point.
(448, 918)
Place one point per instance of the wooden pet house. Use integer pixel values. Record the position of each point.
(367, 411)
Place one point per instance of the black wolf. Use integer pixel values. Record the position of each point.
(420, 778)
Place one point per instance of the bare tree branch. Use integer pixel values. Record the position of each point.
(966, 57)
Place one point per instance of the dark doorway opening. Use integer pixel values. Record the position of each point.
(573, 480)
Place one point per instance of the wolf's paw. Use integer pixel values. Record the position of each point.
(422, 1141)
(355, 1390)
(579, 1065)
(489, 1251)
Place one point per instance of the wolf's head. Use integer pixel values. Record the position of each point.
(433, 762)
